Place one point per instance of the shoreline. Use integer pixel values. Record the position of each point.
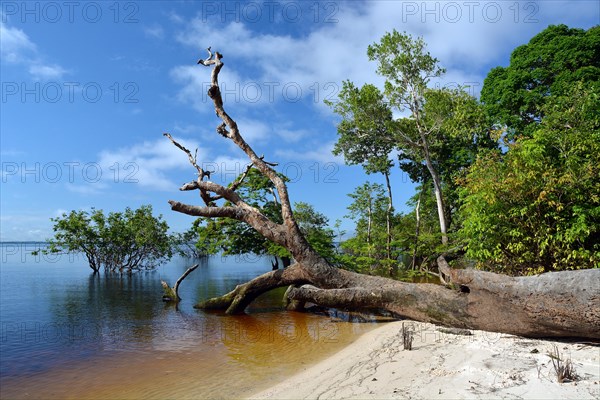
(443, 365)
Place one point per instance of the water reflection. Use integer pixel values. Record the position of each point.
(69, 333)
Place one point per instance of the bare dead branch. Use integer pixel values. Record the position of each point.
(182, 277)
(192, 159)
(209, 212)
(172, 293)
(228, 128)
(242, 212)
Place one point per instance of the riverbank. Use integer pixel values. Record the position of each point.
(443, 365)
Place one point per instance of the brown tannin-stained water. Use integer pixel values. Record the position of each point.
(67, 334)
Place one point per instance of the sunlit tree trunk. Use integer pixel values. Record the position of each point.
(388, 217)
(417, 230)
(437, 189)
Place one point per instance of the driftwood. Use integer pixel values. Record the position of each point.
(560, 304)
(172, 293)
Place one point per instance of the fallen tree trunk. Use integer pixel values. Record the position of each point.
(559, 304)
(555, 304)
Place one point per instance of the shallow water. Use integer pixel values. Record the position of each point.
(66, 333)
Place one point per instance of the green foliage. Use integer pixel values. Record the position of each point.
(436, 142)
(549, 65)
(233, 237)
(365, 135)
(314, 226)
(407, 67)
(118, 242)
(458, 132)
(366, 251)
(537, 208)
(444, 129)
(186, 243)
(426, 245)
(532, 209)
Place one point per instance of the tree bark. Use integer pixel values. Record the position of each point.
(437, 188)
(417, 230)
(369, 225)
(388, 219)
(555, 304)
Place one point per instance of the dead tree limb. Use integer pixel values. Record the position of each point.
(172, 293)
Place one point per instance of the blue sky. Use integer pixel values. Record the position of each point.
(88, 88)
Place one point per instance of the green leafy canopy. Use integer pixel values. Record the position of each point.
(125, 241)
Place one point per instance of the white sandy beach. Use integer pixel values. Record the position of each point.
(442, 365)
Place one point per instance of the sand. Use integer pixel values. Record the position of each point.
(443, 365)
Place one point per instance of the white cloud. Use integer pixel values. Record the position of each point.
(154, 31)
(24, 227)
(187, 129)
(14, 44)
(467, 40)
(17, 48)
(88, 188)
(322, 153)
(292, 135)
(195, 82)
(326, 55)
(225, 169)
(46, 71)
(176, 18)
(148, 163)
(253, 130)
(465, 37)
(59, 212)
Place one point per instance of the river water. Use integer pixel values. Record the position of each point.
(66, 333)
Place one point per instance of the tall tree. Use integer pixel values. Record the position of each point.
(436, 116)
(461, 132)
(408, 68)
(548, 65)
(366, 136)
(418, 232)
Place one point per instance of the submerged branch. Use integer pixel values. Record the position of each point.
(172, 293)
